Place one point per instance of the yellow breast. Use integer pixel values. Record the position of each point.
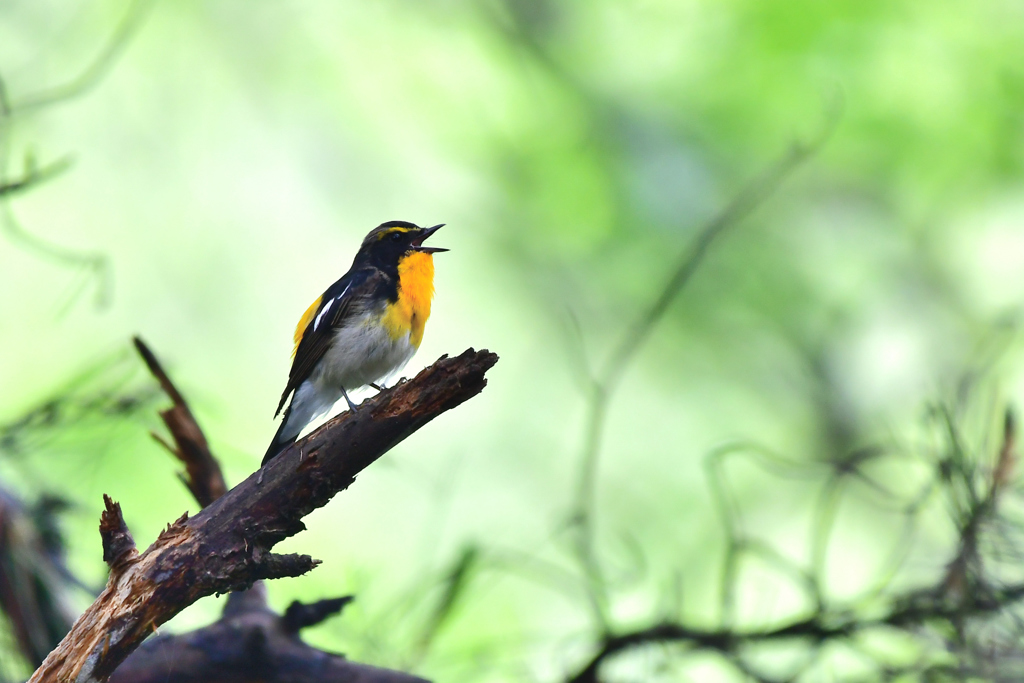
(409, 314)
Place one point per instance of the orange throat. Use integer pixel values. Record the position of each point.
(409, 314)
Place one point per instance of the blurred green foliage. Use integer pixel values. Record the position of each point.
(233, 154)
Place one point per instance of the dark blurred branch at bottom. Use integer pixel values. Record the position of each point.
(250, 643)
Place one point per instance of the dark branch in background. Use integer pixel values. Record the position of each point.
(299, 615)
(249, 643)
(604, 383)
(39, 595)
(824, 627)
(34, 579)
(969, 613)
(972, 517)
(227, 546)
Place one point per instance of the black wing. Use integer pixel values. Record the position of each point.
(342, 300)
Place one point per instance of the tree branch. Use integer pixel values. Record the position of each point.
(251, 643)
(300, 615)
(249, 633)
(118, 544)
(35, 582)
(962, 595)
(227, 545)
(917, 611)
(34, 176)
(203, 476)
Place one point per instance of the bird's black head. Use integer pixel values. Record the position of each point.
(390, 242)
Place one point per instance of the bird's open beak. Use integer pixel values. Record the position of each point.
(427, 232)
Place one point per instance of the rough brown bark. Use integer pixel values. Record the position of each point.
(227, 545)
(118, 545)
(250, 642)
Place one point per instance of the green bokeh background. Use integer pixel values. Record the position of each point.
(234, 155)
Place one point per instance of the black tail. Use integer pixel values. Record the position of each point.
(280, 442)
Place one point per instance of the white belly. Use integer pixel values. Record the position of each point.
(361, 354)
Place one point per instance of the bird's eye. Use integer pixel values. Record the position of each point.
(395, 237)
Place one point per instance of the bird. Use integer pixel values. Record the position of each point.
(362, 329)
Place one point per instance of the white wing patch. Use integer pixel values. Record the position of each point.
(323, 312)
(320, 315)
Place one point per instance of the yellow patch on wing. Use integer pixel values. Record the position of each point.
(409, 314)
(300, 329)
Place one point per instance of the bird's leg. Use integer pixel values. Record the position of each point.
(378, 387)
(351, 405)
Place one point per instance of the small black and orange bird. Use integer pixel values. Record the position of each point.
(365, 327)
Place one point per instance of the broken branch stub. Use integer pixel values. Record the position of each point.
(227, 546)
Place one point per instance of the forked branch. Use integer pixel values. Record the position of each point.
(227, 546)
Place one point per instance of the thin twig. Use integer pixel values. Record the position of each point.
(94, 71)
(754, 194)
(95, 265)
(820, 628)
(34, 176)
